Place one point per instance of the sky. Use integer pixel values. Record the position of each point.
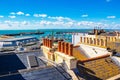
(59, 14)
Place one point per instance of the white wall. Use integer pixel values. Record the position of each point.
(76, 37)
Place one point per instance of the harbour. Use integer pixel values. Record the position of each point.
(74, 57)
(59, 40)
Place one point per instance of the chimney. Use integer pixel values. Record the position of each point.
(66, 48)
(45, 42)
(62, 44)
(50, 43)
(70, 49)
(59, 46)
(62, 47)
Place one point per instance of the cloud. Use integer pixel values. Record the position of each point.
(13, 13)
(58, 22)
(20, 13)
(1, 16)
(24, 23)
(84, 15)
(43, 15)
(40, 15)
(27, 14)
(36, 15)
(12, 17)
(60, 18)
(112, 17)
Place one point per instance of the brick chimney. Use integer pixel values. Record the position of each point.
(45, 42)
(59, 46)
(66, 48)
(50, 43)
(70, 50)
(62, 47)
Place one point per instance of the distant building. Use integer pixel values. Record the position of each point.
(12, 44)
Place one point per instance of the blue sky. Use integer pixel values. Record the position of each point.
(59, 14)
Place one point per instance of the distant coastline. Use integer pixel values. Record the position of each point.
(2, 32)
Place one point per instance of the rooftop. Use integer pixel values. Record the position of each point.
(15, 39)
(100, 69)
(16, 67)
(92, 51)
(79, 54)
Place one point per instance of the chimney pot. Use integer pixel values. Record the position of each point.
(70, 53)
(59, 46)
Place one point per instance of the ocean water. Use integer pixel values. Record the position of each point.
(43, 30)
(49, 32)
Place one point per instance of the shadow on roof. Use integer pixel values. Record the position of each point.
(12, 77)
(10, 64)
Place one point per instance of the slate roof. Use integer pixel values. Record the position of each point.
(16, 67)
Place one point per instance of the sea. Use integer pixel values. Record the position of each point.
(49, 32)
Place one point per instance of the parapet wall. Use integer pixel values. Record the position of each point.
(97, 41)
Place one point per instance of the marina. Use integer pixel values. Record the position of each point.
(85, 48)
(59, 40)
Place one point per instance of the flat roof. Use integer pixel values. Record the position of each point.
(15, 67)
(15, 39)
(93, 51)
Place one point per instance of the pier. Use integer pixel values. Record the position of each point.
(24, 33)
